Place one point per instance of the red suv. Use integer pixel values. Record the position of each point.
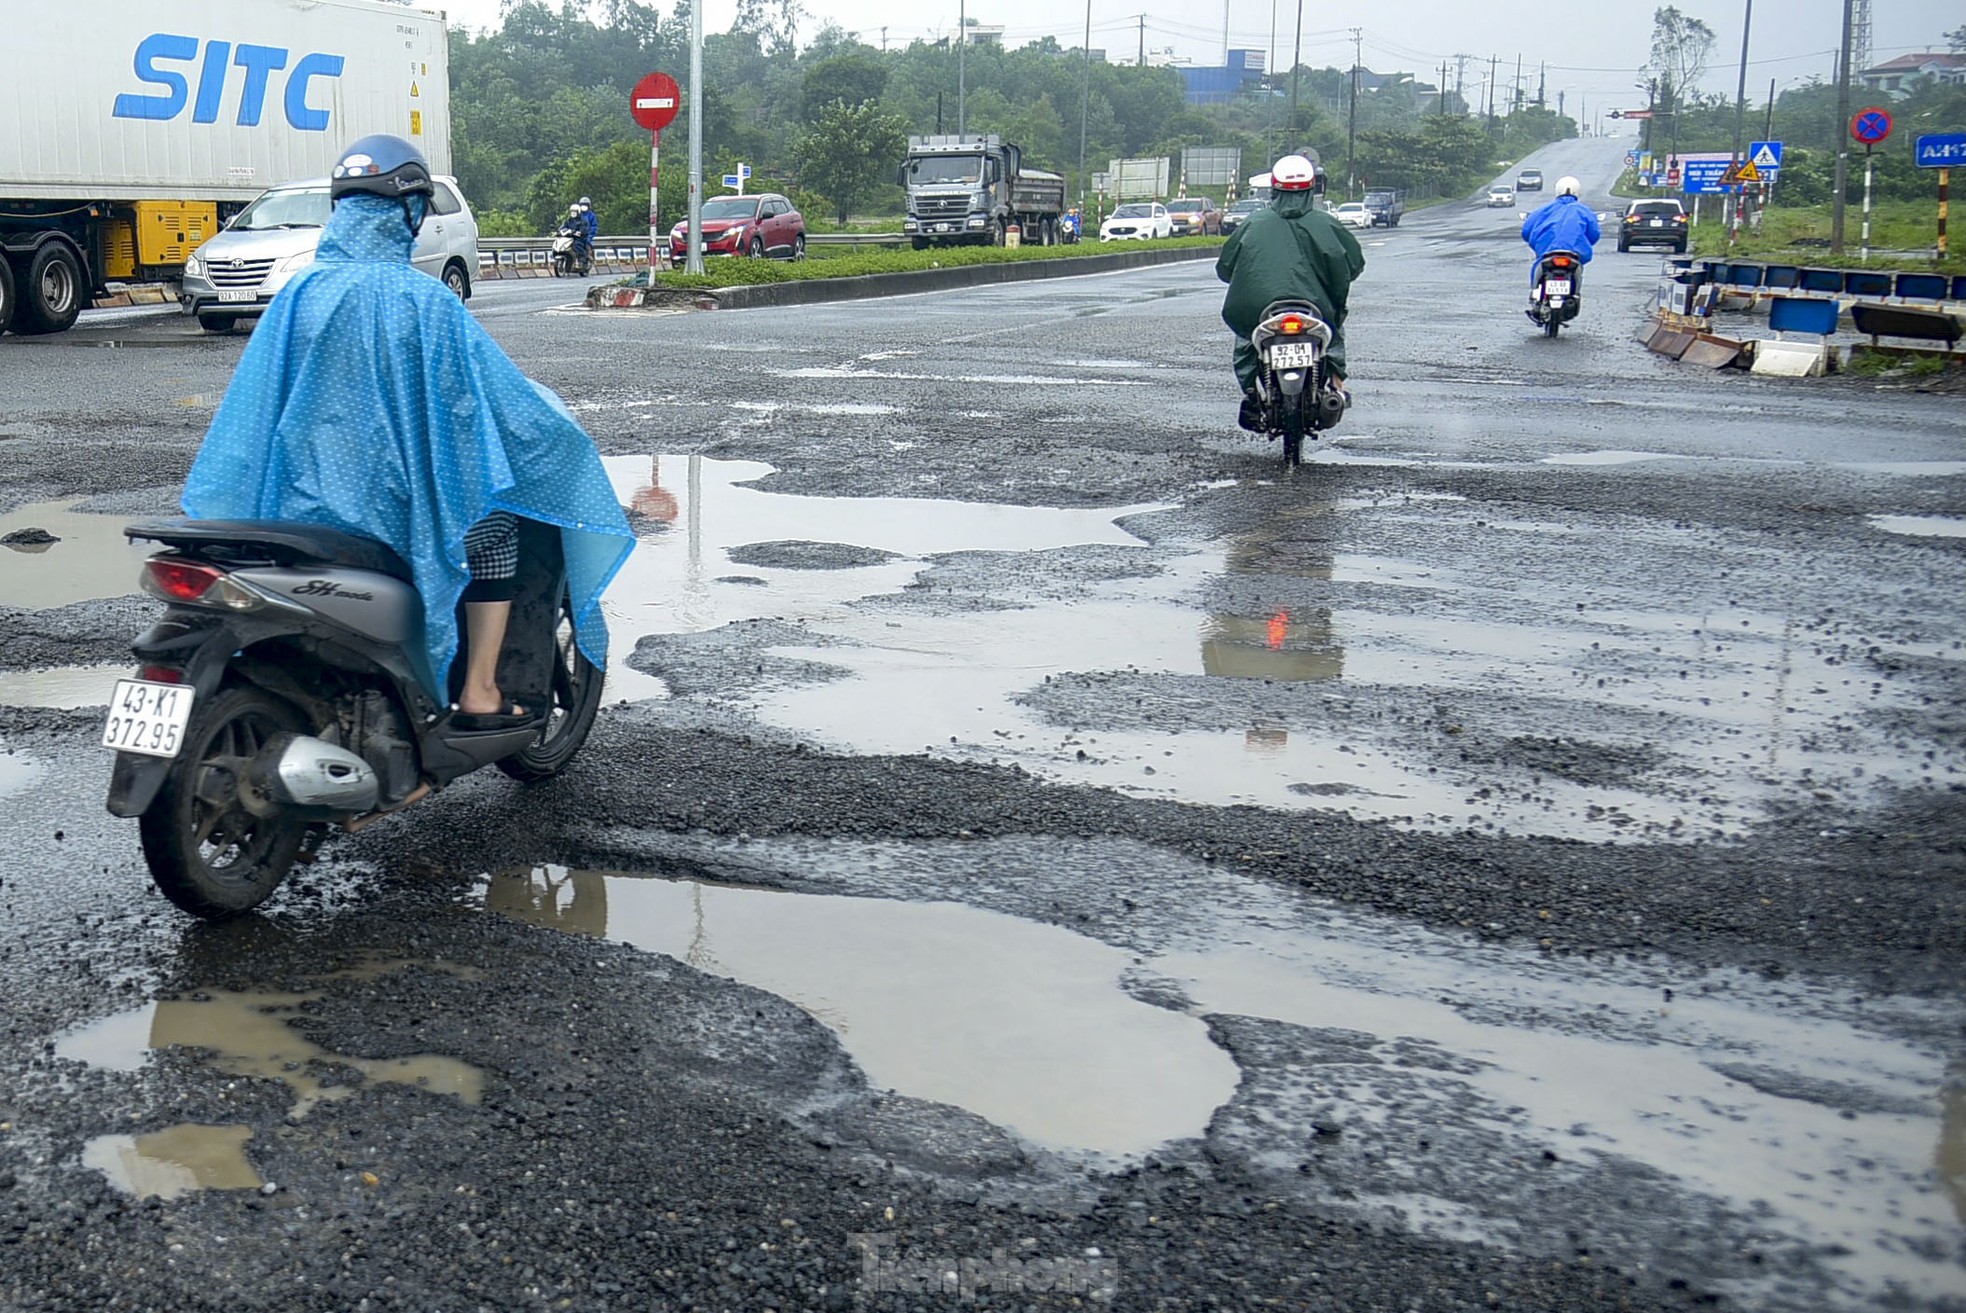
(761, 225)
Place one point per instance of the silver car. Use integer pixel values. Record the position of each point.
(235, 274)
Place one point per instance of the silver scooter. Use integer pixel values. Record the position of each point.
(280, 698)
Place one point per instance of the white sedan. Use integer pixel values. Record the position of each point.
(1353, 213)
(1139, 221)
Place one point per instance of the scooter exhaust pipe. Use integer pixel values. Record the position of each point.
(300, 773)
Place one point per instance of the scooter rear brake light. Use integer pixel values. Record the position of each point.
(178, 581)
(1291, 324)
(1561, 262)
(161, 674)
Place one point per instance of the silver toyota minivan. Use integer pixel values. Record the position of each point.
(235, 274)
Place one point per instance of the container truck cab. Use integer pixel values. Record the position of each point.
(974, 189)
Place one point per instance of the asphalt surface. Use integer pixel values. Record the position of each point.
(1513, 862)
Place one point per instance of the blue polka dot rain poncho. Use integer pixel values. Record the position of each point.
(369, 400)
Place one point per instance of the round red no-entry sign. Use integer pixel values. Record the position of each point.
(1871, 126)
(654, 101)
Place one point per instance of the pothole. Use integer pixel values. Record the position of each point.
(175, 1161)
(89, 558)
(1021, 1023)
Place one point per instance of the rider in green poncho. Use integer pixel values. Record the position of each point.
(1290, 251)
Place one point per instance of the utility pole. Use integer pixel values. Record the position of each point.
(1491, 91)
(1842, 131)
(1542, 75)
(883, 41)
(1351, 118)
(1515, 88)
(1143, 41)
(1296, 62)
(1442, 95)
(1461, 80)
(962, 48)
(1739, 199)
(693, 256)
(1085, 103)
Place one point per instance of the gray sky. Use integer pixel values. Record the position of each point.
(1592, 49)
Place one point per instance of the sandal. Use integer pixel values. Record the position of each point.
(510, 716)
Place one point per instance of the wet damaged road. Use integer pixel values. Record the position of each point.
(1514, 863)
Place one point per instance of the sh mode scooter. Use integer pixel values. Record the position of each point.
(1300, 398)
(279, 698)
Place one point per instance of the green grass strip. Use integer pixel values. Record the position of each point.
(732, 272)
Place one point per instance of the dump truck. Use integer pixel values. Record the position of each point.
(135, 132)
(971, 189)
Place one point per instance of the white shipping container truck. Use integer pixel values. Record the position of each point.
(130, 131)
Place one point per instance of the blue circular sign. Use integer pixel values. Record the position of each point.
(1871, 126)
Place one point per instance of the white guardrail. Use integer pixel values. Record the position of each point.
(532, 257)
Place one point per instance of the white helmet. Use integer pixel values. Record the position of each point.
(573, 210)
(1568, 186)
(1293, 173)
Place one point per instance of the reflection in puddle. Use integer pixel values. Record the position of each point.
(91, 560)
(1021, 1023)
(175, 1161)
(250, 1035)
(1921, 526)
(1288, 645)
(60, 686)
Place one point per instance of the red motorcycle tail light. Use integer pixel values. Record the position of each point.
(1561, 262)
(161, 674)
(178, 581)
(1291, 324)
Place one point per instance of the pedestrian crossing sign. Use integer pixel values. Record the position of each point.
(1766, 155)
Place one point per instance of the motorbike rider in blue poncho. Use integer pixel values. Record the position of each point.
(369, 400)
(1565, 224)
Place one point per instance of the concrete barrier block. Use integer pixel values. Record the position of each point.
(1788, 359)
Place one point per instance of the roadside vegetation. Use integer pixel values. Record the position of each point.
(540, 116)
(727, 272)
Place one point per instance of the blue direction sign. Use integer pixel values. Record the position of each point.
(1766, 156)
(1703, 177)
(1941, 150)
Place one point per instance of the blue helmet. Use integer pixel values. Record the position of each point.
(382, 165)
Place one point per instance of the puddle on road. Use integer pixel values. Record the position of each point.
(1787, 1102)
(1754, 697)
(92, 560)
(175, 1161)
(249, 1035)
(16, 772)
(1604, 457)
(65, 687)
(1921, 526)
(1908, 468)
(1021, 1023)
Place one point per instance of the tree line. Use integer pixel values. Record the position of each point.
(540, 114)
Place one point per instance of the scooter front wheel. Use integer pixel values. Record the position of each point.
(576, 700)
(207, 853)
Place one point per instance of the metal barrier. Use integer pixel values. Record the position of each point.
(532, 257)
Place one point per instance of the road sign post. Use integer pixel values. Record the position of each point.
(1870, 126)
(1941, 150)
(653, 104)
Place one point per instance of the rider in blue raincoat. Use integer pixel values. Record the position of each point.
(1565, 224)
(369, 400)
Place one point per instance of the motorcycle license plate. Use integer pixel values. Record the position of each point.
(147, 718)
(1557, 287)
(1292, 355)
(237, 294)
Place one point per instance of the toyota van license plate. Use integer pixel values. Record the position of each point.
(148, 718)
(232, 294)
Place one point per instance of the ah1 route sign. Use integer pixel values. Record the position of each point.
(1941, 150)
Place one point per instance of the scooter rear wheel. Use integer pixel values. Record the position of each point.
(1551, 325)
(576, 701)
(1291, 412)
(207, 853)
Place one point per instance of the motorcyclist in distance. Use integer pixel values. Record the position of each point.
(1290, 250)
(590, 223)
(1564, 224)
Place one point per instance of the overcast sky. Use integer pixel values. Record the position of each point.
(1592, 49)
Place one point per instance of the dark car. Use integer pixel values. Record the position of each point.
(1654, 223)
(762, 225)
(1238, 214)
(1194, 216)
